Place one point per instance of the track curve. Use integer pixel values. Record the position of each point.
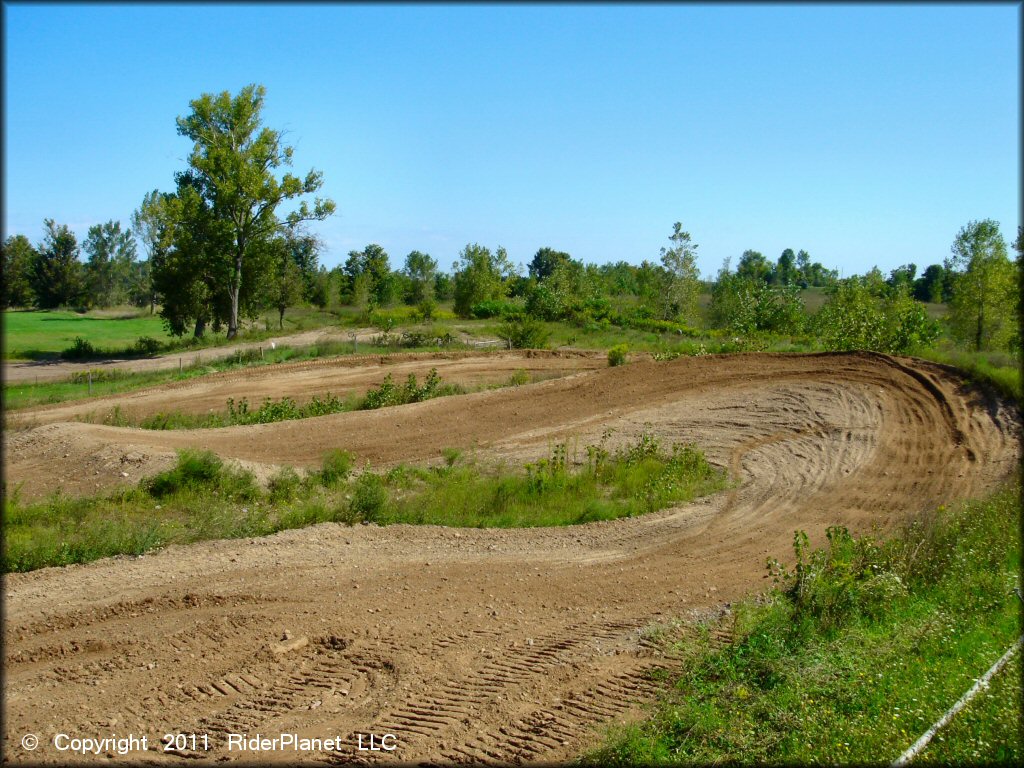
(476, 645)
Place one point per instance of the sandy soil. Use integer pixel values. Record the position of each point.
(339, 376)
(470, 645)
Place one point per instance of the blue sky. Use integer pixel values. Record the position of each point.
(863, 134)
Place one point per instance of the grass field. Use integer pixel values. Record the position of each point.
(31, 335)
(34, 335)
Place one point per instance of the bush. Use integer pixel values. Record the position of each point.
(483, 310)
(147, 345)
(617, 355)
(284, 484)
(369, 497)
(204, 470)
(80, 349)
(523, 332)
(336, 467)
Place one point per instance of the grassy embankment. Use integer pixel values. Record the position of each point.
(860, 648)
(201, 498)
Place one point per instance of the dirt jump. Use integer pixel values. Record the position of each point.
(465, 645)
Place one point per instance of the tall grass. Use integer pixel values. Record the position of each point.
(860, 648)
(202, 498)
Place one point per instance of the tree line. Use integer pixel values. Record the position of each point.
(218, 250)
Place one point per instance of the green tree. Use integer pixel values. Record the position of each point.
(857, 316)
(545, 261)
(369, 280)
(18, 265)
(902, 278)
(747, 305)
(420, 272)
(288, 284)
(754, 265)
(933, 285)
(58, 277)
(785, 271)
(233, 160)
(479, 276)
(984, 302)
(150, 223)
(681, 276)
(110, 265)
(191, 263)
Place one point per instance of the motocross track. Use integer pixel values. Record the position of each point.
(472, 645)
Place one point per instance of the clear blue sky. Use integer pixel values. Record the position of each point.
(863, 134)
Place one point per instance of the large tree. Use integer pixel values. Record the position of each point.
(480, 276)
(420, 272)
(110, 265)
(682, 278)
(58, 276)
(234, 159)
(368, 277)
(19, 261)
(984, 302)
(150, 224)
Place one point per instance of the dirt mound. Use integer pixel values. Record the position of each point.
(473, 645)
(301, 381)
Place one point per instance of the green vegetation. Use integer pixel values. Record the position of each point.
(34, 335)
(202, 498)
(859, 649)
(286, 409)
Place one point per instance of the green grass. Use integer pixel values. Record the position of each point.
(33, 335)
(998, 371)
(202, 498)
(287, 409)
(36, 335)
(863, 645)
(634, 480)
(117, 381)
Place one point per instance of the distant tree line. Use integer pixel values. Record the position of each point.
(217, 250)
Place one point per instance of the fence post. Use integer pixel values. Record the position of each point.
(90, 382)
(179, 366)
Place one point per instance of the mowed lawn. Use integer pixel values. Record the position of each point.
(30, 335)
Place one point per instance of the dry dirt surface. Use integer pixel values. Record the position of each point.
(470, 645)
(301, 381)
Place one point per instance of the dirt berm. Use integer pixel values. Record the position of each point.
(469, 645)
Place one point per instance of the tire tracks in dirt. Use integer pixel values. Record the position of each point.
(479, 646)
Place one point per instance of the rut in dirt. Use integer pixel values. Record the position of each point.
(505, 646)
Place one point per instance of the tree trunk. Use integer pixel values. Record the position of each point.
(280, 319)
(977, 335)
(236, 285)
(200, 327)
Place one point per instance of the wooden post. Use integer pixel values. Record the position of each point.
(180, 364)
(90, 382)
(261, 351)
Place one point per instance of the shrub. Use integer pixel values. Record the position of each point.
(80, 349)
(523, 332)
(335, 468)
(147, 345)
(617, 355)
(483, 310)
(284, 484)
(369, 497)
(204, 470)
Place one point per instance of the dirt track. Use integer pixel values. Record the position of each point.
(471, 644)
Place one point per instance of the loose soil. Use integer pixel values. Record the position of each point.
(469, 645)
